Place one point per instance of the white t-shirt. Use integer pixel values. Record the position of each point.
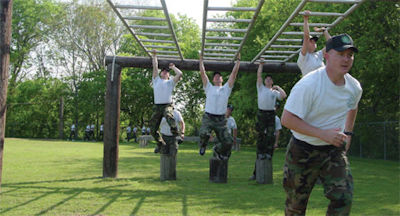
(101, 127)
(321, 103)
(217, 98)
(128, 129)
(278, 125)
(134, 129)
(267, 97)
(163, 90)
(143, 130)
(87, 128)
(73, 127)
(231, 124)
(310, 62)
(164, 126)
(92, 127)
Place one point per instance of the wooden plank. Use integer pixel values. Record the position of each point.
(191, 64)
(218, 170)
(264, 171)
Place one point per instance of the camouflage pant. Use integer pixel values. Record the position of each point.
(265, 128)
(218, 125)
(171, 146)
(304, 164)
(159, 111)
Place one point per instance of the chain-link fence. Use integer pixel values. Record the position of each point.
(378, 140)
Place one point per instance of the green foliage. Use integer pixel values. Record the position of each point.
(64, 178)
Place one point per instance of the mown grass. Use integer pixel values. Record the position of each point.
(50, 177)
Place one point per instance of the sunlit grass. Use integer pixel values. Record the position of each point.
(49, 177)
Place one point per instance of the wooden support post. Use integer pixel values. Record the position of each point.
(5, 39)
(61, 119)
(111, 121)
(218, 170)
(168, 163)
(264, 171)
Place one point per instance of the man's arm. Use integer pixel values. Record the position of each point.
(280, 90)
(178, 73)
(203, 74)
(332, 136)
(182, 126)
(350, 119)
(259, 72)
(306, 33)
(155, 64)
(234, 73)
(327, 36)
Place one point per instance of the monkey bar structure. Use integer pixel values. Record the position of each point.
(221, 45)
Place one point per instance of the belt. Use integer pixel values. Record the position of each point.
(213, 115)
(163, 104)
(312, 147)
(266, 111)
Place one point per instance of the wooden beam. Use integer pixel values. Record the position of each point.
(192, 64)
(111, 121)
(5, 39)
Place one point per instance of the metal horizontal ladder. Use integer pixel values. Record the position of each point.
(149, 36)
(287, 43)
(225, 47)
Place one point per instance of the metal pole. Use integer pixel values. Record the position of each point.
(384, 140)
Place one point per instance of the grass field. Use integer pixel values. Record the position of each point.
(50, 177)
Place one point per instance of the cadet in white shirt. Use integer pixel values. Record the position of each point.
(169, 138)
(310, 60)
(214, 119)
(163, 87)
(320, 112)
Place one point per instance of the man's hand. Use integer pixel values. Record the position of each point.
(306, 14)
(171, 65)
(334, 137)
(154, 52)
(319, 29)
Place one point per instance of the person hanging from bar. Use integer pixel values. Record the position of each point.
(214, 119)
(163, 87)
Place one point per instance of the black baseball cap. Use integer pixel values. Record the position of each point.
(315, 38)
(216, 72)
(340, 43)
(230, 106)
(165, 69)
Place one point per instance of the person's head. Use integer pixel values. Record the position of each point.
(340, 53)
(229, 110)
(268, 82)
(164, 74)
(217, 78)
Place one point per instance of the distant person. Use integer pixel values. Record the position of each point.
(278, 128)
(320, 112)
(87, 133)
(128, 132)
(101, 135)
(144, 130)
(168, 137)
(309, 60)
(217, 96)
(92, 131)
(134, 133)
(148, 130)
(163, 88)
(72, 134)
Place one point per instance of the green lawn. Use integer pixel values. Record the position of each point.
(64, 178)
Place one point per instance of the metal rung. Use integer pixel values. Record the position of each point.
(274, 61)
(301, 33)
(226, 30)
(222, 44)
(168, 56)
(323, 14)
(148, 27)
(228, 20)
(274, 56)
(289, 40)
(159, 46)
(280, 51)
(157, 41)
(286, 46)
(232, 9)
(219, 54)
(312, 24)
(337, 1)
(138, 7)
(144, 18)
(224, 38)
(153, 34)
(218, 59)
(220, 50)
(164, 51)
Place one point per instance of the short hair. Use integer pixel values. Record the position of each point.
(165, 69)
(216, 72)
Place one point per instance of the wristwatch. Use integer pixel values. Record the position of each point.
(348, 133)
